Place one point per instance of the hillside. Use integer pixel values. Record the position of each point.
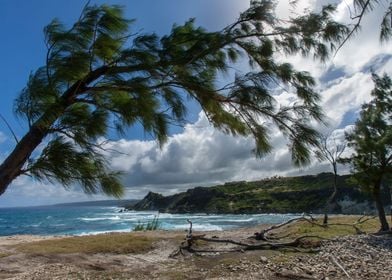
(273, 195)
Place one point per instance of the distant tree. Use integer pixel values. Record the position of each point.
(98, 75)
(330, 150)
(371, 140)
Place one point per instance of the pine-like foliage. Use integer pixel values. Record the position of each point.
(371, 141)
(371, 138)
(99, 75)
(362, 7)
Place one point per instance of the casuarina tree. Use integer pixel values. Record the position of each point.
(371, 141)
(98, 75)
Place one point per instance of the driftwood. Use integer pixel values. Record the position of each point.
(263, 235)
(335, 261)
(262, 244)
(264, 238)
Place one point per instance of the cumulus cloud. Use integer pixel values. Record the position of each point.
(345, 97)
(28, 192)
(202, 155)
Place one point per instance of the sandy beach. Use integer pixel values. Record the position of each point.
(347, 257)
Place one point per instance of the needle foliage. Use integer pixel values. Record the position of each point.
(99, 75)
(371, 141)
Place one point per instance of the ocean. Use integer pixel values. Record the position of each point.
(84, 220)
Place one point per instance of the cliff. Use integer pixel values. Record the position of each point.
(273, 195)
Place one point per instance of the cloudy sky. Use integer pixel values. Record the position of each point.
(198, 154)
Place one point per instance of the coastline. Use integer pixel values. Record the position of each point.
(365, 255)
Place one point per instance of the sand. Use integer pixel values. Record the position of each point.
(361, 257)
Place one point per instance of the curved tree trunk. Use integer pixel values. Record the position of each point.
(380, 206)
(13, 165)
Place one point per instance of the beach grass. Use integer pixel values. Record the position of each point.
(115, 243)
(149, 226)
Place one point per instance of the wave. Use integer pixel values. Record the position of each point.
(201, 227)
(235, 220)
(84, 233)
(115, 218)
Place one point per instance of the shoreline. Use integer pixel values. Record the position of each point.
(356, 253)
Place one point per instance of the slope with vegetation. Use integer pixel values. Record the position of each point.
(272, 195)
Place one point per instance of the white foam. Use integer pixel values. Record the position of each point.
(201, 227)
(101, 232)
(115, 218)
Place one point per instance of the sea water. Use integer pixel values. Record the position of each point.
(83, 220)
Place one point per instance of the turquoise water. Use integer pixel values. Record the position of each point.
(82, 220)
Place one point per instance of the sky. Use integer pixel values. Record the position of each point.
(198, 154)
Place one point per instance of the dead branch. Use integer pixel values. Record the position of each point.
(361, 220)
(335, 261)
(190, 239)
(263, 235)
(264, 241)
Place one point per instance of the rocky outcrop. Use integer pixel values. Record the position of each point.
(273, 195)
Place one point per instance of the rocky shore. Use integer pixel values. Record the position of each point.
(346, 257)
(351, 257)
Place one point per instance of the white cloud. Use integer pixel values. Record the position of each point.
(365, 45)
(25, 191)
(202, 155)
(346, 97)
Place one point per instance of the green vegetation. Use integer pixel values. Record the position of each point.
(93, 244)
(272, 195)
(371, 140)
(151, 225)
(99, 75)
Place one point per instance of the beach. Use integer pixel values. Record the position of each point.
(341, 257)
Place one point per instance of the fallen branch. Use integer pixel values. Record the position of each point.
(263, 235)
(339, 265)
(355, 225)
(265, 245)
(190, 240)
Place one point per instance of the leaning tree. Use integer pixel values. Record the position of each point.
(98, 75)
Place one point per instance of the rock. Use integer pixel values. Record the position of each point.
(263, 259)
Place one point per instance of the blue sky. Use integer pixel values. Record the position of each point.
(197, 154)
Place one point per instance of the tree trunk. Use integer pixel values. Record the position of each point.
(380, 207)
(332, 198)
(13, 165)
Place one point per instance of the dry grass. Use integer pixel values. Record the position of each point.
(338, 226)
(104, 243)
(132, 243)
(4, 254)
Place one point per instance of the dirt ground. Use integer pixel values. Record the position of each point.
(357, 258)
(155, 264)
